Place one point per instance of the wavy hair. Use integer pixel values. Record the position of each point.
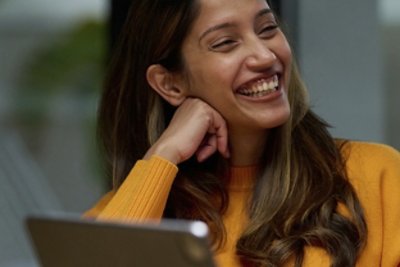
(301, 181)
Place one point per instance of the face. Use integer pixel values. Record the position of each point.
(238, 61)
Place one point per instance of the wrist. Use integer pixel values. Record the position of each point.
(163, 152)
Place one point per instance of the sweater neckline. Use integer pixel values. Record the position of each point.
(242, 177)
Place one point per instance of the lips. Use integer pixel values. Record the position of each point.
(260, 87)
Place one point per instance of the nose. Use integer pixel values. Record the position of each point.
(259, 56)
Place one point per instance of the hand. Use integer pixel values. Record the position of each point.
(196, 128)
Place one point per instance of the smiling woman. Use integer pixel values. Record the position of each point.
(204, 117)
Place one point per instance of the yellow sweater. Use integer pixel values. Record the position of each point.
(374, 171)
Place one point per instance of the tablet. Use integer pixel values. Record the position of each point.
(61, 241)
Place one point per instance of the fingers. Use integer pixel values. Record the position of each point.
(221, 135)
(215, 140)
(207, 148)
(195, 129)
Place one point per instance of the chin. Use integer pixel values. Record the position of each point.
(277, 120)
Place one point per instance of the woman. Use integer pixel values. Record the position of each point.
(204, 117)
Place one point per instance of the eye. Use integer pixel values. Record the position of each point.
(223, 45)
(268, 31)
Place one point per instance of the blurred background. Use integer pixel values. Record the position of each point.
(52, 59)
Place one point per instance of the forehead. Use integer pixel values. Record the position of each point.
(217, 11)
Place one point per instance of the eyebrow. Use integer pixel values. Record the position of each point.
(261, 13)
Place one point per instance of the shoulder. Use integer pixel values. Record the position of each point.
(374, 171)
(368, 147)
(370, 155)
(372, 165)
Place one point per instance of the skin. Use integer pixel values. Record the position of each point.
(233, 45)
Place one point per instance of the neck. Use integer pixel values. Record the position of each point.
(246, 147)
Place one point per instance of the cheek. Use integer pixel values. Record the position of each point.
(209, 80)
(282, 49)
(285, 53)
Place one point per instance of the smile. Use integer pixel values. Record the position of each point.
(260, 87)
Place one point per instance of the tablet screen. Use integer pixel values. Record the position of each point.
(71, 241)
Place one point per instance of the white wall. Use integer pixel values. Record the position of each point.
(389, 11)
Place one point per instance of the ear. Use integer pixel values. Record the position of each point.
(167, 84)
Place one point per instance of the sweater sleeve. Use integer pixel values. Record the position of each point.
(142, 196)
(390, 195)
(375, 175)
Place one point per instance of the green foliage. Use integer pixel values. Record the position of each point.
(70, 65)
(66, 71)
(75, 61)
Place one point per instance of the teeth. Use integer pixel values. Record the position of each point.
(261, 87)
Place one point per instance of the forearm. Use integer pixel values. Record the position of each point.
(144, 193)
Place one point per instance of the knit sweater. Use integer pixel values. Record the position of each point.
(373, 170)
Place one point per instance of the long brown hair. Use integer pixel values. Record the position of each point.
(300, 184)
(130, 112)
(297, 195)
